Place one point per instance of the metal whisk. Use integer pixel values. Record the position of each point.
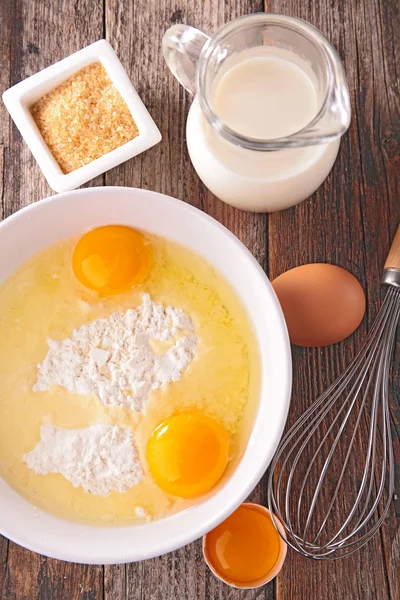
(330, 486)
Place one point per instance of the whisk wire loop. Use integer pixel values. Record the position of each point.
(335, 522)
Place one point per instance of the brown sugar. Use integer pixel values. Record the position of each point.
(84, 118)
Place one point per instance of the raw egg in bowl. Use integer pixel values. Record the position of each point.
(119, 235)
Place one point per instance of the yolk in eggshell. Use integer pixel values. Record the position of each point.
(111, 259)
(245, 547)
(187, 454)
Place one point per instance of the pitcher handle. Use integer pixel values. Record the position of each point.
(181, 47)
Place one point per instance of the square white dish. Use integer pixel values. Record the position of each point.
(19, 98)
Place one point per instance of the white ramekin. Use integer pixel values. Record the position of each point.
(19, 98)
(58, 217)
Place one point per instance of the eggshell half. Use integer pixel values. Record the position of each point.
(271, 574)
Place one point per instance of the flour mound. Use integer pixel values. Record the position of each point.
(111, 358)
(99, 459)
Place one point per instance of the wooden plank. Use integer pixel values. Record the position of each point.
(115, 585)
(5, 59)
(135, 32)
(3, 563)
(61, 580)
(382, 22)
(5, 20)
(355, 208)
(22, 570)
(41, 34)
(32, 576)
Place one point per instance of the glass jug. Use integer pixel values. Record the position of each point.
(243, 167)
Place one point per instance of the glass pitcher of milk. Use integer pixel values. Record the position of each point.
(271, 104)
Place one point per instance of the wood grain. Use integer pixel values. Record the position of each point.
(39, 34)
(349, 221)
(5, 20)
(357, 208)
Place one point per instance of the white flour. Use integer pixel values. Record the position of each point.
(99, 459)
(112, 359)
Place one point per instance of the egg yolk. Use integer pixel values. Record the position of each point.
(187, 454)
(111, 259)
(245, 547)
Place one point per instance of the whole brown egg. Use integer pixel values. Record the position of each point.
(322, 303)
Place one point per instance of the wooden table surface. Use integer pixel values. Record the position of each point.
(349, 221)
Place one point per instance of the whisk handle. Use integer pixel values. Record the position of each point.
(391, 270)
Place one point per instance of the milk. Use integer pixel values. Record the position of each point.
(266, 97)
(263, 96)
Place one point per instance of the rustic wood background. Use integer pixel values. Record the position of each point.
(349, 221)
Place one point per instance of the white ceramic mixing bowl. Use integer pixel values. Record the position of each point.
(58, 217)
